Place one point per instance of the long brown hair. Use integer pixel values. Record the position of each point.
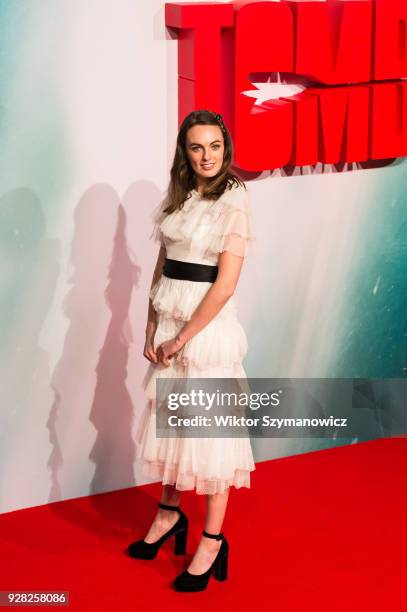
(182, 175)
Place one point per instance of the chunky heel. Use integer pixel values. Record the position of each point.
(221, 568)
(180, 547)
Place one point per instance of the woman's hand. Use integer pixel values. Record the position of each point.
(167, 350)
(149, 352)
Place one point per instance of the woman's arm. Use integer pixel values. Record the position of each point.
(222, 289)
(152, 315)
(229, 268)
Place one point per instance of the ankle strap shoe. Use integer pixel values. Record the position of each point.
(219, 569)
(145, 550)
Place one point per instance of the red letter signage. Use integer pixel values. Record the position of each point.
(352, 55)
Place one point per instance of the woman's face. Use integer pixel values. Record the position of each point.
(205, 148)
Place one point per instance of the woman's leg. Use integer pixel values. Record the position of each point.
(164, 519)
(208, 548)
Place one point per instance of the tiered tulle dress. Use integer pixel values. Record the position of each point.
(198, 233)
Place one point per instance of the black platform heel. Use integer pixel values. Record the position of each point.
(145, 550)
(219, 569)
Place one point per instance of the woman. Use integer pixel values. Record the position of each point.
(203, 228)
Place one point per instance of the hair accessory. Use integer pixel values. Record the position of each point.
(218, 117)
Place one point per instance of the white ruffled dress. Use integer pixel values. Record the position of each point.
(198, 233)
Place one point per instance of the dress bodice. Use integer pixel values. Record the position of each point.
(204, 228)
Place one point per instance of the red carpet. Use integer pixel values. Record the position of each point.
(320, 531)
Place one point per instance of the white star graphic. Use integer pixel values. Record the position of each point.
(272, 90)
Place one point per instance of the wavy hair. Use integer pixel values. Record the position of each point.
(182, 179)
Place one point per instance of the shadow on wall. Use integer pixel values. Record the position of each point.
(29, 273)
(98, 342)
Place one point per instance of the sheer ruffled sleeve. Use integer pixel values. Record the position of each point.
(233, 232)
(157, 218)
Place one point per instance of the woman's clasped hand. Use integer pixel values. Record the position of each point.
(166, 350)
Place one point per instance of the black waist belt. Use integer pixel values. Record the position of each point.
(185, 270)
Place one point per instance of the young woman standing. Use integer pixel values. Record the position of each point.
(203, 227)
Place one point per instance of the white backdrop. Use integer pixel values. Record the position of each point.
(89, 128)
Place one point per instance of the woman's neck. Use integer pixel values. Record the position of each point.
(199, 186)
